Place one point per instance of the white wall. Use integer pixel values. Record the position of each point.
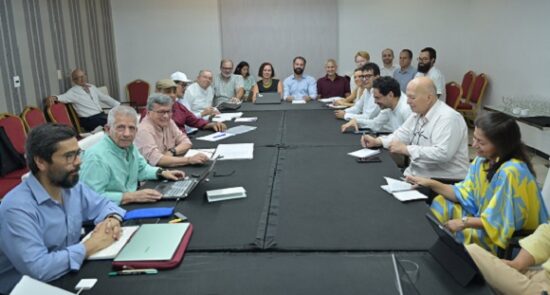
(155, 38)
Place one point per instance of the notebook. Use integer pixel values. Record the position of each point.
(401, 190)
(112, 251)
(268, 98)
(153, 242)
(182, 188)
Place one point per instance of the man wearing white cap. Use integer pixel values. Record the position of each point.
(198, 97)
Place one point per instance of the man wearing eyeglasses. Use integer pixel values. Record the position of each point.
(426, 68)
(113, 166)
(199, 96)
(228, 87)
(435, 137)
(159, 140)
(41, 218)
(365, 105)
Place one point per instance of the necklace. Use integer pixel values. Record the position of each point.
(267, 85)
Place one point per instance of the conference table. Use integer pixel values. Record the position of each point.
(314, 221)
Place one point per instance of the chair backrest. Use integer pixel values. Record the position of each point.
(58, 113)
(74, 118)
(15, 130)
(467, 84)
(478, 89)
(137, 92)
(546, 191)
(454, 92)
(32, 117)
(89, 141)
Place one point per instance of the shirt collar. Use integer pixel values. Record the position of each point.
(115, 148)
(39, 193)
(432, 112)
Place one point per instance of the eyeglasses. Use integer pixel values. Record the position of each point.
(367, 76)
(181, 83)
(418, 131)
(122, 128)
(227, 68)
(70, 157)
(162, 113)
(425, 59)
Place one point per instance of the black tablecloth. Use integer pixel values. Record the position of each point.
(312, 105)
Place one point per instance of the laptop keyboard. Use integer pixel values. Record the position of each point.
(179, 188)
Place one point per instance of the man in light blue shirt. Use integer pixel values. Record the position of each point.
(406, 72)
(114, 166)
(41, 218)
(299, 86)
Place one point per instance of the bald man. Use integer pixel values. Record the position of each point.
(435, 137)
(85, 99)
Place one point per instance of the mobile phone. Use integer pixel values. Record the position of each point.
(369, 160)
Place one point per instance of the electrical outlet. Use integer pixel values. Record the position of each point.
(59, 75)
(16, 82)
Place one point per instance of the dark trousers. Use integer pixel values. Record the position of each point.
(430, 193)
(90, 123)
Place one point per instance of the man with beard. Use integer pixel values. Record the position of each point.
(120, 162)
(299, 86)
(41, 218)
(387, 59)
(426, 68)
(228, 87)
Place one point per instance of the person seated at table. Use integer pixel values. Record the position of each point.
(513, 276)
(41, 218)
(85, 99)
(365, 106)
(355, 93)
(184, 119)
(198, 97)
(159, 139)
(499, 195)
(361, 58)
(249, 81)
(393, 104)
(267, 83)
(113, 166)
(435, 137)
(299, 86)
(332, 84)
(228, 87)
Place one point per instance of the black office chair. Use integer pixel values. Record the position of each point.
(513, 246)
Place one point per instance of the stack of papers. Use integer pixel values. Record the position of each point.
(227, 117)
(246, 119)
(112, 251)
(333, 106)
(240, 129)
(236, 151)
(298, 101)
(329, 100)
(228, 133)
(364, 153)
(207, 152)
(401, 190)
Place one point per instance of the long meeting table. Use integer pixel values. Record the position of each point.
(314, 221)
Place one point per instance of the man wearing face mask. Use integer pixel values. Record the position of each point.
(426, 68)
(299, 86)
(228, 87)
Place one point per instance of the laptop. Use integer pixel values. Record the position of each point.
(182, 188)
(452, 254)
(268, 98)
(153, 242)
(403, 282)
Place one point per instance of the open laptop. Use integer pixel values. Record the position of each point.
(153, 242)
(402, 280)
(452, 254)
(182, 188)
(268, 98)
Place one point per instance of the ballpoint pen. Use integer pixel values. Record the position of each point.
(221, 134)
(131, 272)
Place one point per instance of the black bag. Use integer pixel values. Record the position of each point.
(10, 159)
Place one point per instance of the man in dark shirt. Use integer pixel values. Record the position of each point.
(332, 85)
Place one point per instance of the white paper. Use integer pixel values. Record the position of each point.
(364, 153)
(207, 152)
(332, 106)
(328, 100)
(398, 185)
(226, 117)
(298, 101)
(215, 136)
(236, 151)
(112, 251)
(28, 285)
(409, 195)
(246, 119)
(240, 129)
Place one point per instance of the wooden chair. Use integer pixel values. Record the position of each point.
(32, 117)
(467, 80)
(15, 130)
(454, 92)
(137, 93)
(470, 108)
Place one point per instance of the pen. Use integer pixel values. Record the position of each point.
(219, 135)
(131, 272)
(175, 220)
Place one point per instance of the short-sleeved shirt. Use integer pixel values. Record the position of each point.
(224, 89)
(338, 87)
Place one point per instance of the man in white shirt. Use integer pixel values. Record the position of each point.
(387, 60)
(435, 137)
(395, 110)
(365, 105)
(199, 96)
(426, 68)
(85, 99)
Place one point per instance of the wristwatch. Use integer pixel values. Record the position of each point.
(173, 151)
(159, 173)
(115, 216)
(464, 221)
